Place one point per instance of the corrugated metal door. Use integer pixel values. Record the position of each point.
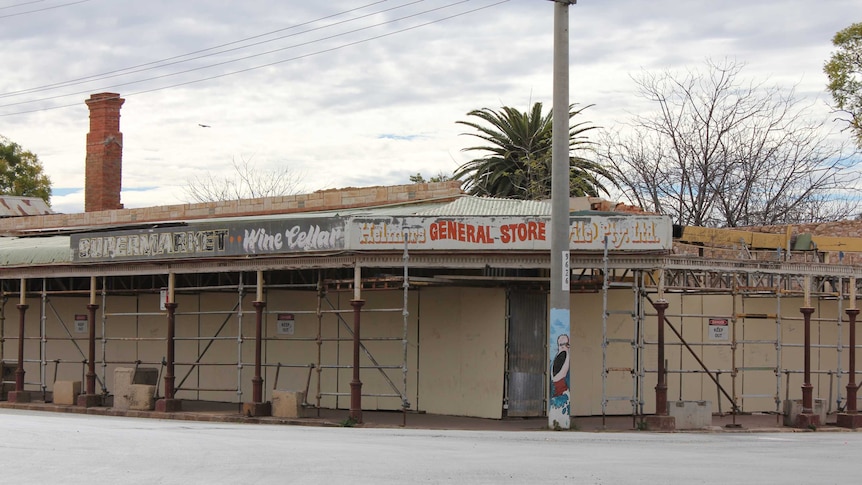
(525, 386)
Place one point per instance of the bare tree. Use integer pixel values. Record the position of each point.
(719, 151)
(247, 182)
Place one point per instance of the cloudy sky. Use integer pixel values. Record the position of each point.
(355, 92)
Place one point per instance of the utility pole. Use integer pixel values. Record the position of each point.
(559, 342)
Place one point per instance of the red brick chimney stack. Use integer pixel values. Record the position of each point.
(103, 177)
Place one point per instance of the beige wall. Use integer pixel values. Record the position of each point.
(756, 357)
(207, 330)
(462, 351)
(456, 350)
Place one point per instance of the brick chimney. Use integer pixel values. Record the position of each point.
(103, 176)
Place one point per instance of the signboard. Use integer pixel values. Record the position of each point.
(285, 324)
(297, 235)
(206, 240)
(81, 324)
(567, 271)
(624, 233)
(719, 329)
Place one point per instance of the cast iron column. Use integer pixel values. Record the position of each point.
(807, 418)
(20, 395)
(90, 399)
(661, 386)
(169, 404)
(257, 380)
(852, 388)
(169, 370)
(91, 350)
(257, 407)
(661, 421)
(356, 384)
(851, 418)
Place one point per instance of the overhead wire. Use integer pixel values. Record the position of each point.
(15, 5)
(349, 44)
(18, 14)
(166, 61)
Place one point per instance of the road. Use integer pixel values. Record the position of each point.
(79, 449)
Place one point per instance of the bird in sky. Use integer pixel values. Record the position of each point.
(204, 126)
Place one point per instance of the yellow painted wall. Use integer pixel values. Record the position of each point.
(462, 351)
(456, 351)
(586, 362)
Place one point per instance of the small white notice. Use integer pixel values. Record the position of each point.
(567, 270)
(719, 329)
(284, 324)
(81, 324)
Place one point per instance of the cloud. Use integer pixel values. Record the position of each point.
(347, 89)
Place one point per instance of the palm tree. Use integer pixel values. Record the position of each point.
(518, 160)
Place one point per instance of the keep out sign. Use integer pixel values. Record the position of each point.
(719, 329)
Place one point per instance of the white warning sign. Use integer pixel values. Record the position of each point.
(719, 329)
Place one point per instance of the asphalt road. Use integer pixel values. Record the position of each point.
(79, 449)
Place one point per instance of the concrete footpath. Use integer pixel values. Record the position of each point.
(232, 412)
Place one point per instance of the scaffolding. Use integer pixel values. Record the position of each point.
(754, 369)
(751, 353)
(133, 345)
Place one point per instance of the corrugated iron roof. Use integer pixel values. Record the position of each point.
(489, 206)
(46, 250)
(18, 251)
(15, 206)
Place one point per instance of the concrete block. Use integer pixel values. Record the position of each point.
(89, 400)
(793, 407)
(123, 377)
(127, 382)
(146, 375)
(169, 405)
(288, 404)
(691, 414)
(141, 397)
(850, 420)
(251, 409)
(66, 392)
(660, 423)
(18, 396)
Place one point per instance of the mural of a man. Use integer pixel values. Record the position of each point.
(560, 368)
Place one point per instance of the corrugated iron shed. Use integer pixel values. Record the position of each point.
(15, 206)
(49, 250)
(24, 251)
(489, 206)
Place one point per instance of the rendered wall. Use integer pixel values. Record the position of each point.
(586, 362)
(456, 351)
(211, 331)
(462, 351)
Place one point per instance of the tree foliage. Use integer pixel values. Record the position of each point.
(246, 182)
(418, 178)
(21, 172)
(517, 161)
(719, 151)
(844, 70)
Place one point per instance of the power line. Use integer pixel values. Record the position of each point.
(261, 54)
(21, 4)
(162, 76)
(164, 62)
(39, 9)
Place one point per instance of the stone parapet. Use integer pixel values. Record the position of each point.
(333, 199)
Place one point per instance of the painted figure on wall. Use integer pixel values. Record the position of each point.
(559, 402)
(560, 367)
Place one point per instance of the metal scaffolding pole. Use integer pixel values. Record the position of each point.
(405, 313)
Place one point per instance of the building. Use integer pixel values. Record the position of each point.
(230, 301)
